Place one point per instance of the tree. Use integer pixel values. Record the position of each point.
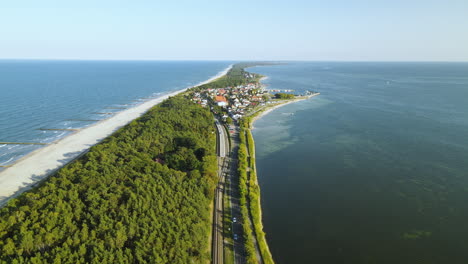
(27, 242)
(284, 96)
(9, 248)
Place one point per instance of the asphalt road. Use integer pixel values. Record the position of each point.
(233, 180)
(227, 172)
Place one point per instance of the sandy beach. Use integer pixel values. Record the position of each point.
(39, 164)
(278, 105)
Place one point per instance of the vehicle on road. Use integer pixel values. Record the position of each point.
(235, 236)
(234, 220)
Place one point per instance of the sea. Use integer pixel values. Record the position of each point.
(373, 170)
(39, 94)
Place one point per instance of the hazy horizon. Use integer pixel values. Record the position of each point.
(228, 60)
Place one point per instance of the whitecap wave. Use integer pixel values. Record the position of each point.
(3, 163)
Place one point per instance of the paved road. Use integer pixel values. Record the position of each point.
(233, 180)
(227, 172)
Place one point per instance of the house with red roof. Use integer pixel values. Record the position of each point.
(221, 100)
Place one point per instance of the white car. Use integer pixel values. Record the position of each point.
(235, 236)
(234, 220)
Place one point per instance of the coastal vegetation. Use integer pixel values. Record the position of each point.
(284, 96)
(142, 195)
(250, 191)
(249, 245)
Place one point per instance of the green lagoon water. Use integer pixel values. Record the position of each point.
(374, 170)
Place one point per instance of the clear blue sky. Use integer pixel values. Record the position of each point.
(401, 30)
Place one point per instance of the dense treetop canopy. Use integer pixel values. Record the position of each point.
(141, 196)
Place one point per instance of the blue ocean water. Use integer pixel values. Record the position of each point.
(373, 170)
(44, 94)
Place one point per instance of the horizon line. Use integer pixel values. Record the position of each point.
(224, 60)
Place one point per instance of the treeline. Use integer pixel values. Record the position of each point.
(250, 250)
(253, 191)
(234, 77)
(284, 96)
(143, 195)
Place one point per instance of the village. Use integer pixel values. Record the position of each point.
(234, 102)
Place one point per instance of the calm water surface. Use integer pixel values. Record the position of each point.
(374, 170)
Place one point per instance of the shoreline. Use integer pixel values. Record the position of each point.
(37, 165)
(260, 234)
(271, 108)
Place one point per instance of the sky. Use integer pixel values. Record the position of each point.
(353, 30)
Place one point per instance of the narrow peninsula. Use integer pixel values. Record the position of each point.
(237, 100)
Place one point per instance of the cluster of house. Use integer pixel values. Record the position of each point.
(235, 100)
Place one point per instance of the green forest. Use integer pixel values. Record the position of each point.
(284, 96)
(247, 231)
(143, 195)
